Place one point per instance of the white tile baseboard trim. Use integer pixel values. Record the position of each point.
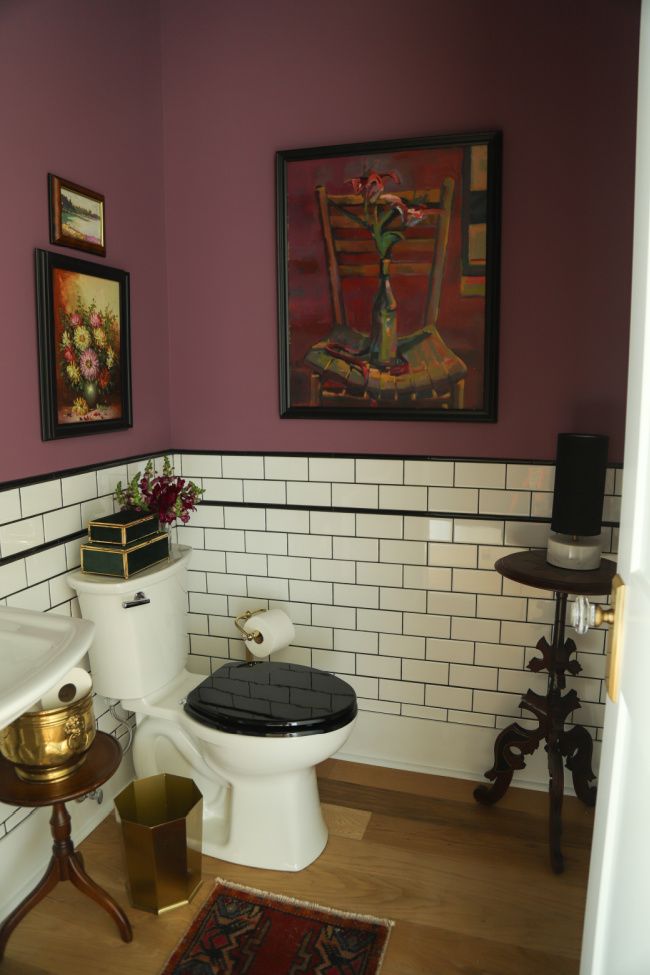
(455, 751)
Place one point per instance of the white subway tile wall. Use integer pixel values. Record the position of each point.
(405, 605)
(47, 511)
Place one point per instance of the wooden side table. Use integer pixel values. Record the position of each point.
(102, 760)
(573, 746)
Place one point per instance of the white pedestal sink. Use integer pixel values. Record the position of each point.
(36, 651)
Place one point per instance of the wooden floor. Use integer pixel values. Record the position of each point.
(469, 887)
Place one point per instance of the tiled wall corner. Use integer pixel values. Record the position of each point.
(36, 554)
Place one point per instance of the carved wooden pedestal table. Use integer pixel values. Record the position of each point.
(573, 746)
(102, 760)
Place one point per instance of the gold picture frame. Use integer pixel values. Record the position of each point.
(77, 216)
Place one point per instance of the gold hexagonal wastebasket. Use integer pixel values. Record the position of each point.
(161, 825)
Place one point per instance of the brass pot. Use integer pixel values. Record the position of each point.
(45, 746)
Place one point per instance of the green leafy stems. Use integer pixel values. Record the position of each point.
(380, 209)
(167, 495)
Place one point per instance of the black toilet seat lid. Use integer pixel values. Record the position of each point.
(269, 699)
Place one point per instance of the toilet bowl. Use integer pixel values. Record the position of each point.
(250, 735)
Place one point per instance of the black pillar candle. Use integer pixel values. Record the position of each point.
(581, 466)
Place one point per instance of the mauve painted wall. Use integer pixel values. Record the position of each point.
(80, 97)
(242, 80)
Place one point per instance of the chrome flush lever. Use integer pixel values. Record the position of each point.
(138, 600)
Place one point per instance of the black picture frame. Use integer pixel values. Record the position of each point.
(84, 355)
(350, 218)
(77, 216)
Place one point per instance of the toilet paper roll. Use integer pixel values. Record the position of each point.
(275, 632)
(72, 687)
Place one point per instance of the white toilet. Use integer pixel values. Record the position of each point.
(250, 735)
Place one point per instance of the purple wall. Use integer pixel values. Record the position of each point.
(241, 81)
(80, 97)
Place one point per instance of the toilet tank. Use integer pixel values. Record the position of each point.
(137, 649)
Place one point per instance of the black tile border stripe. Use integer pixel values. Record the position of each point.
(399, 512)
(45, 547)
(121, 461)
(382, 512)
(86, 469)
(394, 512)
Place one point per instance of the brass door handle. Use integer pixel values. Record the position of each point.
(585, 615)
(603, 614)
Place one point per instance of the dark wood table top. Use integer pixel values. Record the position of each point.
(102, 760)
(532, 569)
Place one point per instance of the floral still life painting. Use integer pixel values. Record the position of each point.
(388, 279)
(76, 216)
(167, 495)
(83, 331)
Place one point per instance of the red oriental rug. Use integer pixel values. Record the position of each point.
(241, 931)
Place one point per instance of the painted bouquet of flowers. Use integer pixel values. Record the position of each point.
(89, 358)
(167, 495)
(380, 210)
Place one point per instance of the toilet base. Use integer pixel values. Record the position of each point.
(274, 823)
(261, 806)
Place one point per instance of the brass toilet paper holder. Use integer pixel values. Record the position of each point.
(243, 618)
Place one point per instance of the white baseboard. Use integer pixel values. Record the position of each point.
(439, 748)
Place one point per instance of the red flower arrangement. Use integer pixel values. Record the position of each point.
(380, 210)
(167, 495)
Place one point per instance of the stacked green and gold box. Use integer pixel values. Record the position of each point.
(124, 543)
(122, 528)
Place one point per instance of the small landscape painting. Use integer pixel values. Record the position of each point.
(76, 216)
(83, 332)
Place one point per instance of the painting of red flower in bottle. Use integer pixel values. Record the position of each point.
(83, 333)
(388, 279)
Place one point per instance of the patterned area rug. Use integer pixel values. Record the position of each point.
(241, 931)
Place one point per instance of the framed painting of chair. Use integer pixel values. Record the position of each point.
(388, 260)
